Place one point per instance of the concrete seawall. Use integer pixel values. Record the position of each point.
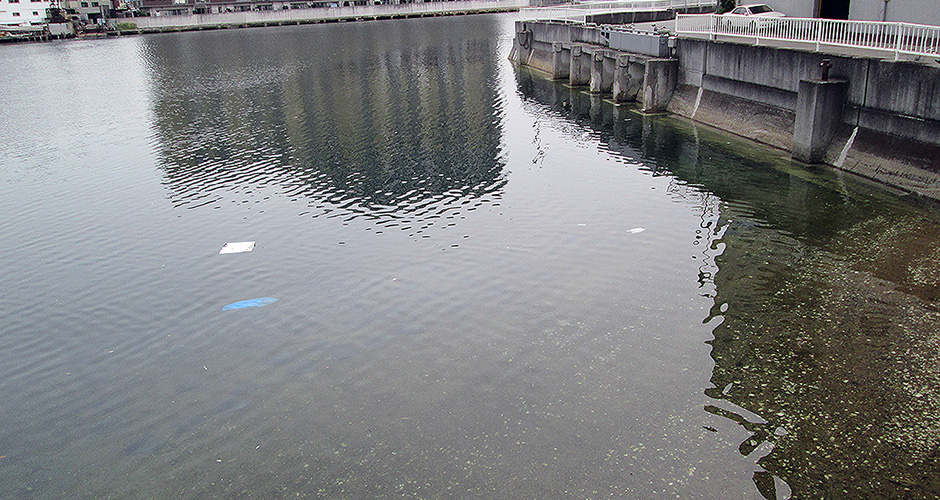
(876, 118)
(885, 125)
(596, 58)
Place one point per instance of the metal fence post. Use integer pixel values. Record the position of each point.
(897, 43)
(818, 24)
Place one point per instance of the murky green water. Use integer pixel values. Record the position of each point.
(488, 285)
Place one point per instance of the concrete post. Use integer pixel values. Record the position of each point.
(621, 80)
(819, 106)
(561, 61)
(610, 65)
(659, 80)
(580, 73)
(597, 73)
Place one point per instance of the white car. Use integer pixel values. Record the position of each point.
(750, 20)
(755, 10)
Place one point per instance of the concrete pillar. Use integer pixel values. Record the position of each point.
(561, 61)
(659, 80)
(603, 65)
(819, 106)
(580, 72)
(621, 82)
(597, 73)
(610, 65)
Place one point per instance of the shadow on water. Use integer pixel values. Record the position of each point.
(827, 305)
(304, 112)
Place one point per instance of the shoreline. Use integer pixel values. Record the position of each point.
(147, 25)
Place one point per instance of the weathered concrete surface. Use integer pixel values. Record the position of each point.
(561, 61)
(909, 165)
(554, 31)
(901, 98)
(877, 89)
(606, 37)
(603, 63)
(580, 70)
(638, 43)
(761, 122)
(818, 115)
(756, 91)
(753, 91)
(659, 81)
(649, 16)
(628, 78)
(578, 53)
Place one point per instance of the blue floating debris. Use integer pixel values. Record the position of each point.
(261, 302)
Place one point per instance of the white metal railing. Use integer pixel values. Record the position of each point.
(896, 38)
(578, 12)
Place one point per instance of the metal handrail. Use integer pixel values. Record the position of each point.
(578, 12)
(896, 38)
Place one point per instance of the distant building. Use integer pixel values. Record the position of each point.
(23, 12)
(90, 11)
(907, 11)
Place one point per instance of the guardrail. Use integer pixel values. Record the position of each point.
(895, 38)
(580, 11)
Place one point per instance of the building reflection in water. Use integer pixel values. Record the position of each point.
(825, 299)
(357, 121)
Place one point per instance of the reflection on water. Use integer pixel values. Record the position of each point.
(827, 302)
(384, 121)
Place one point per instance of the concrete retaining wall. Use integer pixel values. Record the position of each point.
(755, 92)
(582, 55)
(877, 118)
(896, 97)
(647, 16)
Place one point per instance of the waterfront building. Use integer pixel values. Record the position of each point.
(23, 12)
(907, 11)
(92, 11)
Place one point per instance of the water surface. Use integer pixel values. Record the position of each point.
(466, 304)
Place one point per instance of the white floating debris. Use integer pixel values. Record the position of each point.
(238, 247)
(636, 230)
